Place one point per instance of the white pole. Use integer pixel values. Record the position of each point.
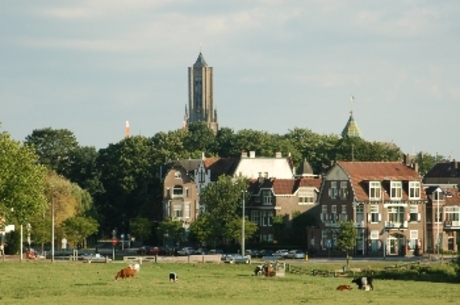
(21, 246)
(242, 229)
(52, 228)
(438, 220)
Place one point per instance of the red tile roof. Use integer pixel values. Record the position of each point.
(284, 186)
(360, 173)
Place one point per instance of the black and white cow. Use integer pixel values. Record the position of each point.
(364, 282)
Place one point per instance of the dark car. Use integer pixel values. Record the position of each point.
(151, 250)
(263, 253)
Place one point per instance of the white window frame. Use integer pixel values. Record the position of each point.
(267, 194)
(306, 196)
(177, 175)
(324, 239)
(324, 213)
(344, 215)
(255, 217)
(343, 190)
(201, 176)
(414, 189)
(413, 239)
(452, 213)
(375, 190)
(176, 192)
(177, 210)
(396, 190)
(186, 210)
(414, 215)
(374, 214)
(333, 190)
(359, 210)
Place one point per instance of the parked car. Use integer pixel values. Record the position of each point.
(263, 253)
(150, 250)
(252, 253)
(281, 254)
(216, 251)
(236, 259)
(295, 254)
(201, 251)
(186, 251)
(96, 258)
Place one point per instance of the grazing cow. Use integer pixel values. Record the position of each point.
(269, 270)
(173, 277)
(344, 287)
(259, 270)
(125, 273)
(364, 282)
(135, 267)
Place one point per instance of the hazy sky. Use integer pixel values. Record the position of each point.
(89, 66)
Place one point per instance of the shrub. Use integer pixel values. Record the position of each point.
(12, 242)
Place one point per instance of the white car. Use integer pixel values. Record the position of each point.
(281, 254)
(236, 259)
(186, 251)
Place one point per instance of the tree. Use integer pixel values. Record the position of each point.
(346, 240)
(141, 228)
(203, 230)
(54, 148)
(83, 169)
(22, 182)
(234, 229)
(300, 223)
(199, 138)
(77, 229)
(222, 200)
(171, 229)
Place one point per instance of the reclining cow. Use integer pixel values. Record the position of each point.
(364, 282)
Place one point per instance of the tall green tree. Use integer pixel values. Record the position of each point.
(234, 229)
(222, 201)
(346, 240)
(203, 230)
(199, 138)
(22, 182)
(141, 228)
(171, 229)
(83, 169)
(77, 229)
(427, 161)
(54, 147)
(131, 182)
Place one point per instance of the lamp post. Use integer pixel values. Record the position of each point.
(52, 224)
(243, 225)
(438, 240)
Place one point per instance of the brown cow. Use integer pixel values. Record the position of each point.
(344, 287)
(125, 273)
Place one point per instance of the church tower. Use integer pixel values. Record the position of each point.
(200, 95)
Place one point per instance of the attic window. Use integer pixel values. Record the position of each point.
(414, 190)
(177, 175)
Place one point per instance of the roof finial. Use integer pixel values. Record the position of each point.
(200, 47)
(351, 100)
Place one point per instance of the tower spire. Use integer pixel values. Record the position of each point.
(127, 130)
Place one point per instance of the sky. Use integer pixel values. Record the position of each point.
(91, 65)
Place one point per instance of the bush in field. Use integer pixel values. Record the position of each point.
(432, 273)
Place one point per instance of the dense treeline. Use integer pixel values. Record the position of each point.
(120, 185)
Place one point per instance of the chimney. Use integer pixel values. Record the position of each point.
(252, 154)
(406, 160)
(416, 166)
(127, 129)
(454, 170)
(244, 154)
(278, 154)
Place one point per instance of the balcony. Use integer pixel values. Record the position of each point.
(396, 225)
(452, 224)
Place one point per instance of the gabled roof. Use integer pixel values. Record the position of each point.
(188, 164)
(451, 195)
(221, 166)
(200, 62)
(360, 173)
(284, 186)
(351, 128)
(442, 170)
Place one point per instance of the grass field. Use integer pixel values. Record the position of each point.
(199, 284)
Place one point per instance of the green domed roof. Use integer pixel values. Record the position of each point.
(351, 129)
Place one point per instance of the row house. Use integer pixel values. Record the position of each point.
(443, 211)
(184, 180)
(386, 202)
(270, 198)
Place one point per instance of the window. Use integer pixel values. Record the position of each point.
(256, 198)
(396, 189)
(266, 237)
(168, 192)
(413, 241)
(267, 197)
(333, 190)
(452, 213)
(374, 190)
(438, 214)
(201, 176)
(306, 196)
(359, 213)
(414, 190)
(375, 215)
(396, 215)
(178, 210)
(187, 193)
(324, 239)
(429, 214)
(177, 191)
(344, 214)
(360, 240)
(343, 190)
(374, 243)
(267, 218)
(255, 217)
(187, 210)
(324, 213)
(333, 213)
(414, 215)
(177, 175)
(167, 209)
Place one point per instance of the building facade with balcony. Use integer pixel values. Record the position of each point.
(384, 199)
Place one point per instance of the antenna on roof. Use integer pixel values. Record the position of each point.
(351, 100)
(200, 47)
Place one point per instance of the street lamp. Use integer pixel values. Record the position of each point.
(243, 225)
(52, 224)
(438, 240)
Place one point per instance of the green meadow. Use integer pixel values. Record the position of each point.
(200, 284)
